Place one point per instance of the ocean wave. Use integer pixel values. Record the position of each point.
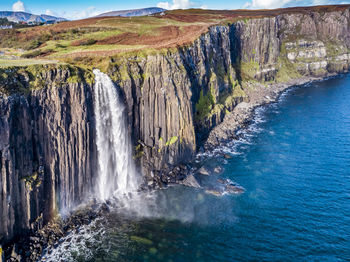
(244, 137)
(78, 244)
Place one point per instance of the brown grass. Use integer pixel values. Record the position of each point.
(166, 36)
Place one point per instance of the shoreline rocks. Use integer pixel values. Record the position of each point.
(31, 246)
(243, 113)
(203, 171)
(218, 170)
(190, 181)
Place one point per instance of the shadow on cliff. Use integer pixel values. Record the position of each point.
(202, 132)
(236, 51)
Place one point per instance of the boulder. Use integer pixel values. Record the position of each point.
(190, 181)
(233, 189)
(218, 169)
(227, 156)
(203, 171)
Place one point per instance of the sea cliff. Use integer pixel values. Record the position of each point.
(175, 98)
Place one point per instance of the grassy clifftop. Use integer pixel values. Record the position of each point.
(87, 41)
(24, 79)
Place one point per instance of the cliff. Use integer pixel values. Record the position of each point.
(174, 97)
(47, 152)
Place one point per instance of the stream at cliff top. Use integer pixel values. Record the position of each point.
(293, 161)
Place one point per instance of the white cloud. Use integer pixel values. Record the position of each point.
(81, 14)
(268, 4)
(176, 4)
(329, 2)
(265, 4)
(49, 12)
(18, 7)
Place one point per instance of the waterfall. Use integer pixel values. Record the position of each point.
(116, 170)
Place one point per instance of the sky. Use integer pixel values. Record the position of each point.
(78, 9)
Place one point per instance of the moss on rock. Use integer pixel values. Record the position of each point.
(22, 80)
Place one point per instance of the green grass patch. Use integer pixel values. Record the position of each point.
(204, 105)
(22, 80)
(141, 240)
(249, 70)
(24, 62)
(286, 69)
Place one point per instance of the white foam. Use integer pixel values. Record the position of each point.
(77, 244)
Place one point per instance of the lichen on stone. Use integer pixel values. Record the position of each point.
(172, 141)
(32, 181)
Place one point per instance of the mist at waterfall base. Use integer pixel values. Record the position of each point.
(293, 161)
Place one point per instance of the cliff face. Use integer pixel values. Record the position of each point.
(294, 45)
(174, 99)
(46, 151)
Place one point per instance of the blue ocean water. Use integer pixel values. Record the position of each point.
(294, 163)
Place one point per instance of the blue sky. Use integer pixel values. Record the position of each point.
(76, 9)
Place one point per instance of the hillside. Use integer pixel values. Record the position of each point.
(83, 40)
(134, 12)
(27, 17)
(90, 39)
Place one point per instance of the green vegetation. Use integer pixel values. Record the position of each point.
(79, 75)
(172, 141)
(142, 25)
(24, 79)
(335, 49)
(245, 20)
(33, 181)
(319, 72)
(237, 91)
(153, 251)
(230, 98)
(204, 105)
(96, 38)
(138, 152)
(37, 53)
(286, 69)
(83, 42)
(249, 70)
(208, 105)
(23, 62)
(141, 240)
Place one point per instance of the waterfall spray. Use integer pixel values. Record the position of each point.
(116, 170)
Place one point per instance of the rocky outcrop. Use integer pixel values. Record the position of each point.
(46, 150)
(174, 99)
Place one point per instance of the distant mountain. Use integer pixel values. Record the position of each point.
(27, 17)
(134, 12)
